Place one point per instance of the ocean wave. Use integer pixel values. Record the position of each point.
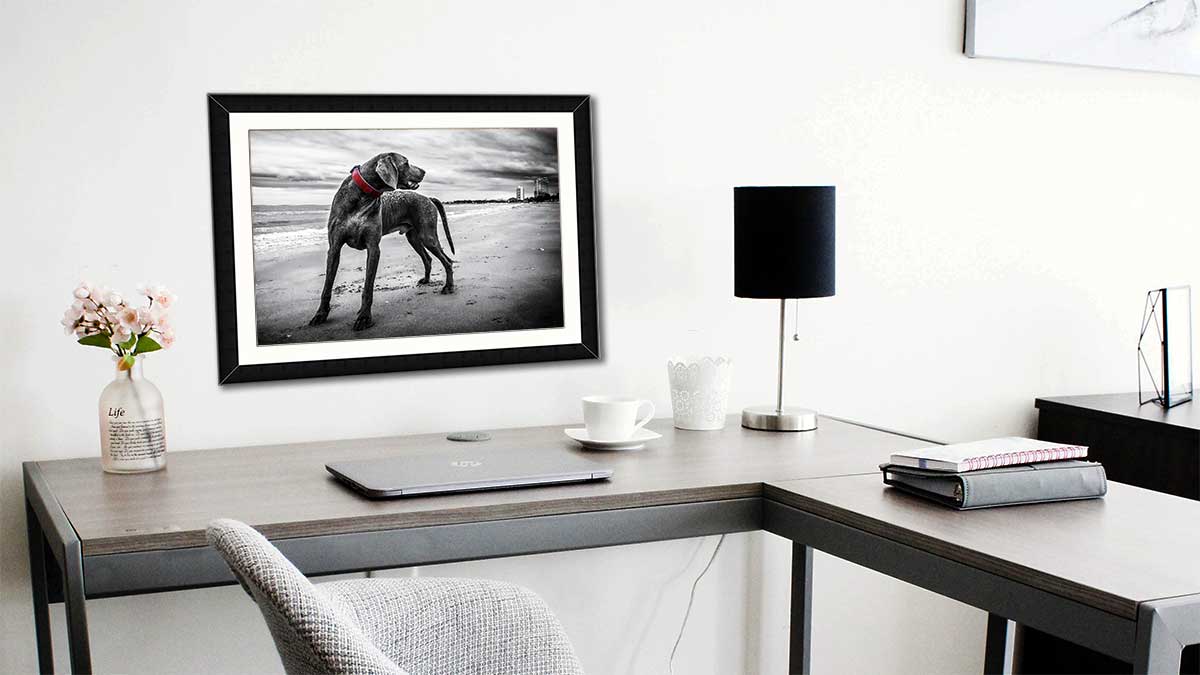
(265, 242)
(261, 211)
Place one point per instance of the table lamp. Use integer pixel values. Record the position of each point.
(782, 249)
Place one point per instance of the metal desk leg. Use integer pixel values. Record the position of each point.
(1164, 628)
(41, 598)
(996, 646)
(800, 642)
(76, 606)
(55, 534)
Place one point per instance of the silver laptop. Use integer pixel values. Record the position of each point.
(466, 470)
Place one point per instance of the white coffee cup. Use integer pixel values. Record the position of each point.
(614, 418)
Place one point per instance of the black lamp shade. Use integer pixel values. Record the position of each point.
(783, 242)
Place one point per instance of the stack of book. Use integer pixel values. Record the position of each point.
(996, 472)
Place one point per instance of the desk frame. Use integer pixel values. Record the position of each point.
(61, 571)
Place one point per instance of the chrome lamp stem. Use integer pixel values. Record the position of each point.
(779, 417)
(782, 332)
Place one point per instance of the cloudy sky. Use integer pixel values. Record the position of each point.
(306, 166)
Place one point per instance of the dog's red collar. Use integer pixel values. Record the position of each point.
(363, 184)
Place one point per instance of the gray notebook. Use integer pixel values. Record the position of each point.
(1004, 486)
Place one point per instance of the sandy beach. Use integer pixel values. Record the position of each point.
(508, 276)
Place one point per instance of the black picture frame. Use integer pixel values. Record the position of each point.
(231, 370)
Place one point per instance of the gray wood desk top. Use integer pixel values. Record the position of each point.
(1184, 417)
(284, 490)
(1113, 553)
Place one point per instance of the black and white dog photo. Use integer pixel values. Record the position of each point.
(388, 233)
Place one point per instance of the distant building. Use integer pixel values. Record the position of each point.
(539, 188)
(520, 192)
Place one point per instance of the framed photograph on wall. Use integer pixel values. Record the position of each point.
(368, 234)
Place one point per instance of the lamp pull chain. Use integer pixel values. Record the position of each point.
(796, 316)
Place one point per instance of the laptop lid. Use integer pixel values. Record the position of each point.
(454, 470)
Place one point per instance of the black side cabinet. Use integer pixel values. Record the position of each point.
(1141, 445)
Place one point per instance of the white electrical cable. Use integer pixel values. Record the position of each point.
(691, 599)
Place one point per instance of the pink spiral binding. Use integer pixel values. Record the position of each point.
(1025, 457)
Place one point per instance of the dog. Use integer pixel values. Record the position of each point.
(366, 207)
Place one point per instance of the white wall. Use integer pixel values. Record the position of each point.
(999, 223)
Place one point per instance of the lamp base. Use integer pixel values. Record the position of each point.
(768, 418)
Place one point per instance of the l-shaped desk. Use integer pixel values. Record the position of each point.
(1120, 575)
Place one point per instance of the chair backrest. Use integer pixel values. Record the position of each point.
(311, 634)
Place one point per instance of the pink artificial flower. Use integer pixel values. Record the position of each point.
(127, 317)
(99, 310)
(107, 297)
(157, 318)
(163, 297)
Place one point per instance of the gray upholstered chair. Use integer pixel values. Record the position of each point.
(395, 626)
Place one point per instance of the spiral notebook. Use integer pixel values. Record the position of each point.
(987, 454)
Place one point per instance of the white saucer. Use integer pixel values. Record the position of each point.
(634, 442)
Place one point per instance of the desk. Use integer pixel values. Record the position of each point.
(95, 535)
(1141, 445)
(1117, 575)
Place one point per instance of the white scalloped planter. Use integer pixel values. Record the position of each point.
(700, 391)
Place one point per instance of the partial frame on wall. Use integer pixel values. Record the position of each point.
(1160, 36)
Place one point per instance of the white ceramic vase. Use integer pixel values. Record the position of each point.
(132, 428)
(700, 391)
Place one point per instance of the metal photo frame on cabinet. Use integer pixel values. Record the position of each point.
(1165, 347)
